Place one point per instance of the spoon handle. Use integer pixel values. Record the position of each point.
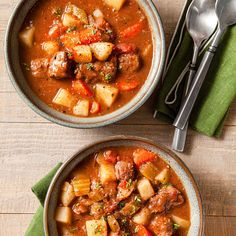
(188, 104)
(180, 136)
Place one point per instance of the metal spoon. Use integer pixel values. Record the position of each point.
(201, 22)
(226, 13)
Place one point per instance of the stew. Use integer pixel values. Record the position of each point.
(130, 191)
(86, 58)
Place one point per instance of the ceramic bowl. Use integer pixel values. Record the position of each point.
(23, 89)
(197, 219)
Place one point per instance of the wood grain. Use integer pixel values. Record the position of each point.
(30, 146)
(20, 152)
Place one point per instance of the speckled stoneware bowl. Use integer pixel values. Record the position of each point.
(23, 89)
(197, 218)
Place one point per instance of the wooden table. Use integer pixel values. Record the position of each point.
(30, 146)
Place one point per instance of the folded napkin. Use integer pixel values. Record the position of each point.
(40, 190)
(219, 89)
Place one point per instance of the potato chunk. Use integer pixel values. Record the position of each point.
(96, 228)
(163, 177)
(81, 108)
(102, 50)
(27, 36)
(116, 4)
(83, 54)
(182, 223)
(50, 47)
(142, 217)
(64, 98)
(107, 173)
(107, 94)
(67, 194)
(145, 189)
(79, 15)
(63, 215)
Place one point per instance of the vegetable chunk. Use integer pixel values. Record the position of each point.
(182, 223)
(81, 108)
(96, 228)
(116, 4)
(102, 50)
(107, 173)
(81, 186)
(82, 54)
(106, 94)
(142, 217)
(64, 98)
(164, 176)
(79, 14)
(67, 194)
(63, 215)
(145, 189)
(50, 47)
(27, 36)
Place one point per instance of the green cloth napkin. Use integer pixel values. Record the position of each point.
(40, 190)
(218, 91)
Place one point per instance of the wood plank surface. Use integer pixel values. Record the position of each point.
(30, 146)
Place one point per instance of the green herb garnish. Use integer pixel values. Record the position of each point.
(137, 199)
(175, 226)
(108, 77)
(27, 67)
(73, 229)
(94, 31)
(129, 183)
(109, 31)
(71, 29)
(121, 204)
(89, 66)
(57, 12)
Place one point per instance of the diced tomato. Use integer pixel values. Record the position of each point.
(90, 35)
(56, 31)
(111, 156)
(125, 48)
(142, 156)
(123, 184)
(142, 231)
(133, 30)
(80, 87)
(95, 108)
(128, 85)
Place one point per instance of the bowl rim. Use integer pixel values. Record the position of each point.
(161, 147)
(96, 124)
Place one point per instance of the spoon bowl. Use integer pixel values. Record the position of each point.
(226, 13)
(201, 20)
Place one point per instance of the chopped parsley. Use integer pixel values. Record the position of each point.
(89, 66)
(108, 77)
(138, 199)
(175, 226)
(98, 229)
(129, 183)
(58, 12)
(109, 31)
(73, 229)
(121, 204)
(27, 67)
(94, 31)
(71, 29)
(69, 54)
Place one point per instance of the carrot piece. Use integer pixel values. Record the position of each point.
(56, 31)
(142, 156)
(80, 87)
(128, 85)
(90, 35)
(142, 231)
(133, 30)
(95, 108)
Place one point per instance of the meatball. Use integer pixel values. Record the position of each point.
(60, 66)
(162, 226)
(39, 67)
(166, 198)
(124, 170)
(129, 63)
(92, 72)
